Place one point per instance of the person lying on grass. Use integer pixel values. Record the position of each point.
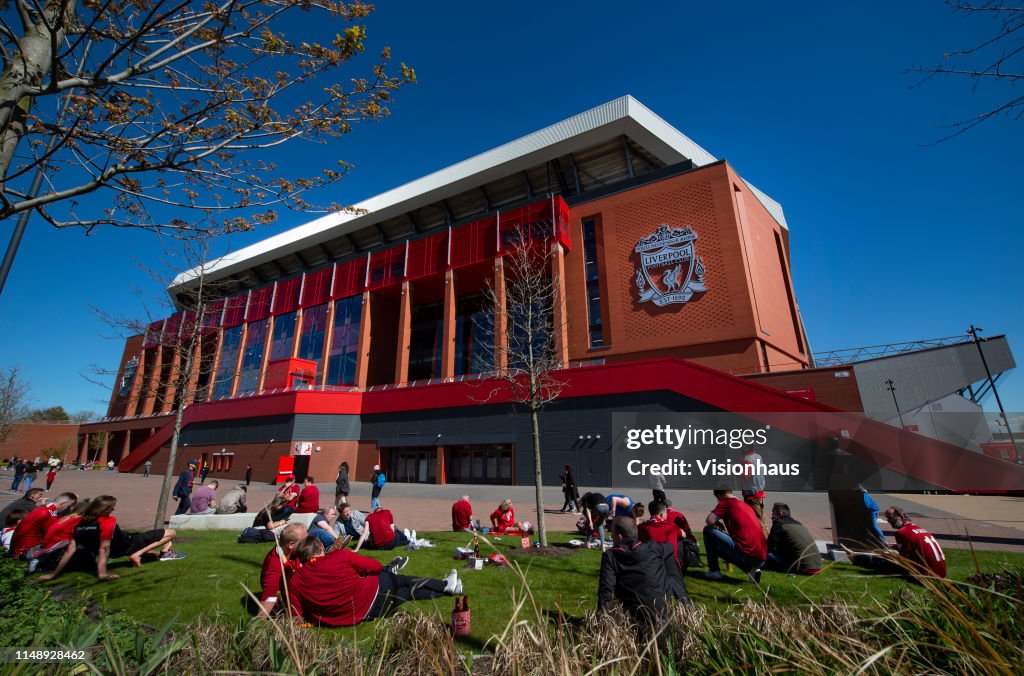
(32, 529)
(343, 588)
(98, 534)
(278, 566)
(381, 533)
(919, 551)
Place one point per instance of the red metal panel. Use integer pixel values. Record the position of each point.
(317, 288)
(474, 242)
(234, 312)
(387, 267)
(349, 278)
(533, 224)
(287, 297)
(212, 314)
(427, 256)
(561, 215)
(153, 332)
(259, 304)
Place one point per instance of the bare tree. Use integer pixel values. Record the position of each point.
(524, 327)
(157, 103)
(13, 400)
(998, 59)
(186, 366)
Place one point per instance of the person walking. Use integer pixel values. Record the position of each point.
(50, 476)
(183, 489)
(19, 474)
(248, 474)
(341, 484)
(377, 480)
(203, 472)
(569, 490)
(31, 471)
(148, 466)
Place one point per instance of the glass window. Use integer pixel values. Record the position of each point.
(284, 336)
(593, 279)
(228, 356)
(425, 341)
(341, 359)
(474, 336)
(311, 341)
(252, 357)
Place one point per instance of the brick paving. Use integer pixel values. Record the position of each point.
(996, 522)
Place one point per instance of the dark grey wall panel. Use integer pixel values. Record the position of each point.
(239, 431)
(327, 427)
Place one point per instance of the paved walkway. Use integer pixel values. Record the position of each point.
(994, 523)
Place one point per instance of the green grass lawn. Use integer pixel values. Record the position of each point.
(210, 582)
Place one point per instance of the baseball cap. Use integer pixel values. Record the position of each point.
(193, 462)
(376, 467)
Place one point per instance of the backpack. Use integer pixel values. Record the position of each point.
(381, 480)
(254, 536)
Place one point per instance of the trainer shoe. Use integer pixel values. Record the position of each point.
(413, 538)
(32, 565)
(452, 583)
(755, 575)
(171, 555)
(397, 564)
(407, 534)
(713, 574)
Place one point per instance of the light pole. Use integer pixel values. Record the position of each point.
(891, 386)
(974, 331)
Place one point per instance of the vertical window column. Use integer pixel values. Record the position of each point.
(230, 347)
(592, 275)
(341, 358)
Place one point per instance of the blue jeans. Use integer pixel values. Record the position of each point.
(374, 502)
(17, 481)
(26, 483)
(719, 544)
(323, 536)
(777, 563)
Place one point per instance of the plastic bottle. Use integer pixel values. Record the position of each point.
(476, 546)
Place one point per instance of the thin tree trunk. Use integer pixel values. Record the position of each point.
(165, 488)
(537, 478)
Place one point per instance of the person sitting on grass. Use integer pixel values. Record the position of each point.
(462, 515)
(278, 566)
(643, 576)
(659, 529)
(503, 520)
(33, 497)
(274, 516)
(32, 529)
(99, 535)
(352, 521)
(14, 517)
(919, 551)
(45, 556)
(325, 526)
(204, 499)
(734, 534)
(342, 588)
(381, 533)
(791, 547)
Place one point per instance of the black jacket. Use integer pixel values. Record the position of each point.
(642, 575)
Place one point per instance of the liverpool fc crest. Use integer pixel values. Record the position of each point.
(670, 271)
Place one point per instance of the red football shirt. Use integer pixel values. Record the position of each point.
(503, 520)
(31, 530)
(309, 500)
(381, 525)
(659, 530)
(672, 516)
(275, 567)
(920, 546)
(336, 590)
(461, 513)
(62, 530)
(743, 526)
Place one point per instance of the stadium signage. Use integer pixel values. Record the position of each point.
(670, 270)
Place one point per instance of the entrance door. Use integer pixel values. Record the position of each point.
(414, 464)
(479, 464)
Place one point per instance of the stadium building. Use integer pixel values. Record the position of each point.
(361, 336)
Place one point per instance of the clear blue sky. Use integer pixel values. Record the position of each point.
(891, 240)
